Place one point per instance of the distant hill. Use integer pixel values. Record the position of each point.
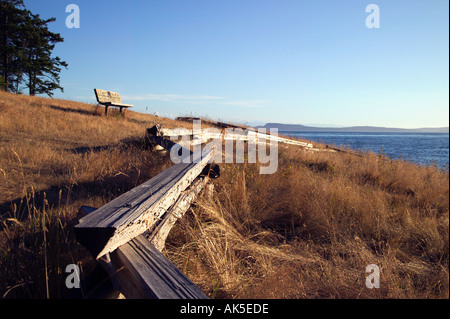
(352, 129)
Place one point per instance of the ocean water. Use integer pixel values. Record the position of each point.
(420, 148)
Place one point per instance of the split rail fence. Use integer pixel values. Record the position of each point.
(127, 235)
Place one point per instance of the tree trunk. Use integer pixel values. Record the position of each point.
(31, 84)
(5, 73)
(5, 58)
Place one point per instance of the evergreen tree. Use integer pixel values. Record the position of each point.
(26, 50)
(11, 17)
(41, 69)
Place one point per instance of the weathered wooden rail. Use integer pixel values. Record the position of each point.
(233, 133)
(217, 124)
(127, 234)
(248, 134)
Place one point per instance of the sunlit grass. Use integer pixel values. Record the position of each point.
(307, 231)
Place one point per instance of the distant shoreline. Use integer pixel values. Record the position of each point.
(353, 129)
(361, 132)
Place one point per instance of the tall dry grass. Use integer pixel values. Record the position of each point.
(307, 231)
(311, 229)
(56, 156)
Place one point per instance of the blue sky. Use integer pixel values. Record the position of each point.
(258, 61)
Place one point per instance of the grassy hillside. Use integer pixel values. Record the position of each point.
(308, 231)
(311, 229)
(55, 156)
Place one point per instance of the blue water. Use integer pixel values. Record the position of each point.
(420, 148)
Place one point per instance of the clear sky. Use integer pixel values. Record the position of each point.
(297, 61)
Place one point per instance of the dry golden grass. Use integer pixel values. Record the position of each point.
(57, 141)
(56, 156)
(308, 231)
